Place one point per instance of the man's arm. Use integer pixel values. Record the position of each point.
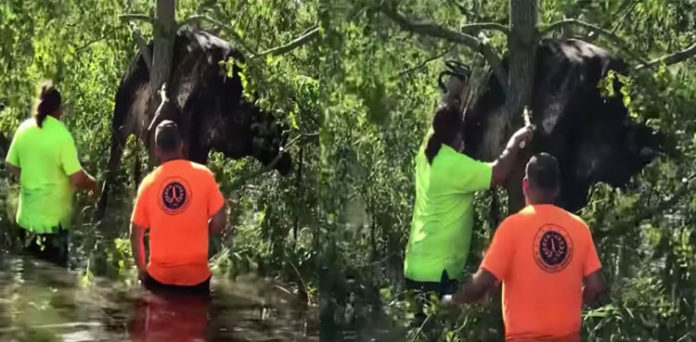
(140, 222)
(216, 207)
(474, 291)
(217, 223)
(137, 234)
(504, 164)
(494, 267)
(83, 180)
(594, 285)
(79, 178)
(14, 170)
(595, 288)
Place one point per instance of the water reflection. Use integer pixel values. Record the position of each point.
(168, 317)
(40, 302)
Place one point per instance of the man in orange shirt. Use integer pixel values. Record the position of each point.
(543, 255)
(180, 204)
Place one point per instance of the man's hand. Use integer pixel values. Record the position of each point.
(477, 289)
(14, 170)
(96, 191)
(83, 180)
(521, 137)
(217, 223)
(449, 307)
(505, 163)
(142, 274)
(447, 300)
(138, 248)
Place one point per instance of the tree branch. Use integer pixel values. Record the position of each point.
(106, 35)
(647, 213)
(228, 28)
(275, 160)
(430, 29)
(135, 16)
(142, 44)
(611, 35)
(422, 64)
(476, 27)
(632, 4)
(672, 58)
(434, 30)
(199, 17)
(295, 43)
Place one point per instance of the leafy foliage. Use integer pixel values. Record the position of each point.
(85, 47)
(644, 232)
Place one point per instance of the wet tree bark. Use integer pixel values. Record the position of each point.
(164, 35)
(522, 42)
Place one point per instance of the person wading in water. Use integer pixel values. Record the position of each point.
(44, 158)
(446, 180)
(180, 204)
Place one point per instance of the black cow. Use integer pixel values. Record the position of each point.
(204, 101)
(592, 136)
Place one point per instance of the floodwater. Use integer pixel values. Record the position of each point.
(42, 302)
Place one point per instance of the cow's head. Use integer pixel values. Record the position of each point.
(592, 136)
(610, 153)
(256, 133)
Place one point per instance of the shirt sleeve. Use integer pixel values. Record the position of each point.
(215, 199)
(140, 215)
(68, 157)
(12, 153)
(470, 175)
(499, 254)
(591, 263)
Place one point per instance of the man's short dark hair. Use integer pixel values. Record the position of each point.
(543, 172)
(167, 136)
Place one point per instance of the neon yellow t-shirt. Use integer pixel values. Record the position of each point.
(443, 214)
(47, 157)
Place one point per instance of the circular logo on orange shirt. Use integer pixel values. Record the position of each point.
(553, 248)
(176, 196)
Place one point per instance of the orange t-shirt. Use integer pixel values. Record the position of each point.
(175, 202)
(541, 255)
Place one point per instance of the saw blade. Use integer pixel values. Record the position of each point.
(527, 123)
(525, 115)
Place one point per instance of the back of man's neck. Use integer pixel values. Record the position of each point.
(542, 203)
(170, 158)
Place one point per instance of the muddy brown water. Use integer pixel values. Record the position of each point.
(42, 302)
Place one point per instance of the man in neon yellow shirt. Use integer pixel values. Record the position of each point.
(443, 212)
(44, 158)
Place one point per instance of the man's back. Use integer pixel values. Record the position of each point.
(541, 254)
(47, 157)
(176, 201)
(443, 213)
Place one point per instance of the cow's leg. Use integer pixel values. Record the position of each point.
(117, 146)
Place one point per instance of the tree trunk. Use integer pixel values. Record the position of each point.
(522, 43)
(164, 36)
